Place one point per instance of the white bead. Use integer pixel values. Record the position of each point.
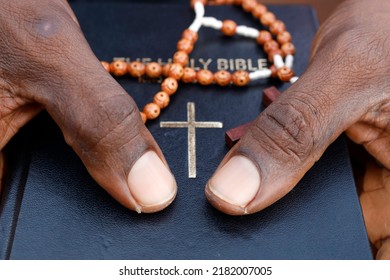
(199, 9)
(289, 61)
(260, 74)
(199, 14)
(247, 31)
(294, 79)
(196, 25)
(278, 61)
(212, 22)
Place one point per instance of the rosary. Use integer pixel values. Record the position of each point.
(276, 44)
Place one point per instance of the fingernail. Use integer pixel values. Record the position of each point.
(237, 182)
(151, 183)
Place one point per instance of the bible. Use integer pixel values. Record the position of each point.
(52, 209)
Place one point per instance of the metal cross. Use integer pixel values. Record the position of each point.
(191, 125)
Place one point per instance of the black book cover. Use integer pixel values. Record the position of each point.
(52, 209)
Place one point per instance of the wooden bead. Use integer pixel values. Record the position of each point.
(136, 69)
(181, 58)
(271, 54)
(194, 1)
(277, 27)
(288, 48)
(264, 37)
(249, 5)
(270, 95)
(222, 78)
(229, 27)
(285, 74)
(165, 69)
(185, 45)
(190, 35)
(106, 66)
(189, 75)
(205, 77)
(169, 85)
(161, 99)
(153, 70)
(240, 78)
(259, 10)
(284, 37)
(176, 71)
(143, 117)
(152, 111)
(271, 45)
(267, 19)
(219, 2)
(118, 68)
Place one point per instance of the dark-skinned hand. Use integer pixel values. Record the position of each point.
(44, 57)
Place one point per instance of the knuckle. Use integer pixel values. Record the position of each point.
(285, 132)
(110, 123)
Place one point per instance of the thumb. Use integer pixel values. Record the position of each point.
(99, 120)
(285, 141)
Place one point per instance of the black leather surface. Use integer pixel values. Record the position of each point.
(52, 209)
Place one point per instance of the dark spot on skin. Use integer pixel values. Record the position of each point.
(47, 27)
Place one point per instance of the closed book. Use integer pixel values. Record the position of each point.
(52, 209)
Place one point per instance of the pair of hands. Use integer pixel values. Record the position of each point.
(46, 64)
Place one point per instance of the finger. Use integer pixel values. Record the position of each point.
(375, 138)
(375, 202)
(97, 117)
(13, 116)
(288, 138)
(384, 250)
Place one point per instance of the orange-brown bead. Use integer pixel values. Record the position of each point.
(205, 77)
(272, 53)
(165, 69)
(288, 48)
(284, 37)
(240, 78)
(285, 74)
(106, 66)
(190, 35)
(194, 1)
(189, 75)
(271, 45)
(169, 85)
(267, 19)
(229, 27)
(161, 99)
(277, 27)
(152, 111)
(264, 37)
(222, 78)
(181, 58)
(185, 45)
(259, 10)
(176, 71)
(153, 70)
(249, 5)
(143, 117)
(136, 69)
(118, 68)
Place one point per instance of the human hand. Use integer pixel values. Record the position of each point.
(345, 89)
(46, 63)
